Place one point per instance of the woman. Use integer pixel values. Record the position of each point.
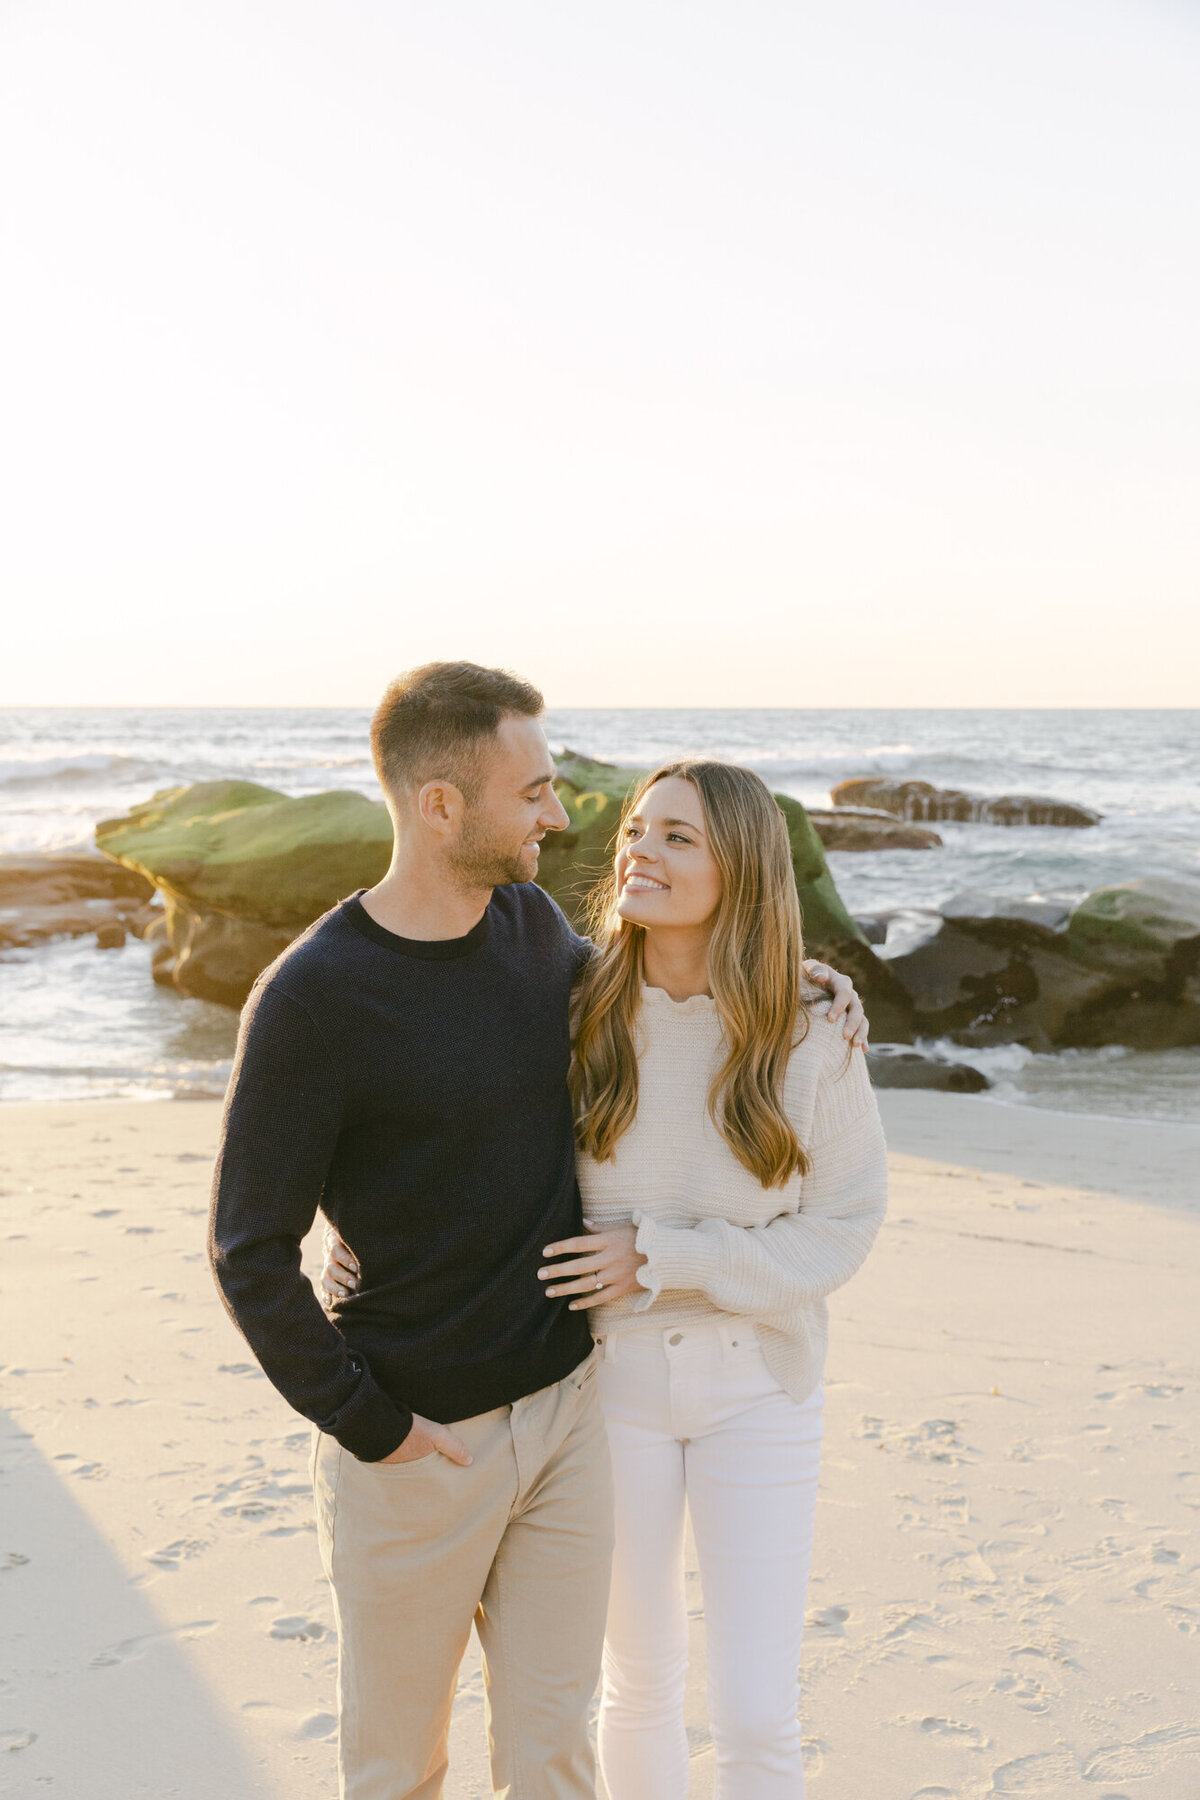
(733, 1174)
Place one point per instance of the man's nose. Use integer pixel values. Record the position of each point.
(554, 814)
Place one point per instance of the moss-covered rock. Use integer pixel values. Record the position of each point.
(251, 853)
(1147, 927)
(243, 869)
(594, 792)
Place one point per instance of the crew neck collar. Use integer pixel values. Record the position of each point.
(422, 949)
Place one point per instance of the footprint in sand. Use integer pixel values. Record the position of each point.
(182, 1550)
(954, 1729)
(1045, 1775)
(1028, 1693)
(829, 1620)
(1169, 1751)
(129, 1649)
(17, 1740)
(318, 1725)
(297, 1629)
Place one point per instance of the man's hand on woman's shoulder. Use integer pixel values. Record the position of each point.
(845, 1006)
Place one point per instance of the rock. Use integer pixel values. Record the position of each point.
(921, 800)
(53, 879)
(111, 937)
(593, 792)
(139, 923)
(573, 861)
(863, 829)
(250, 853)
(55, 896)
(213, 957)
(874, 927)
(985, 909)
(1148, 928)
(890, 1067)
(243, 869)
(1125, 970)
(1145, 935)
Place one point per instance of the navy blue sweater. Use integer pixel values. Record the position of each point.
(416, 1093)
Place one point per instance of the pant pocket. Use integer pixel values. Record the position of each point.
(584, 1373)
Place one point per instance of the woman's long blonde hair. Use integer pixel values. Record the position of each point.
(754, 966)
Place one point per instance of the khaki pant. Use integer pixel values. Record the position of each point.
(519, 1543)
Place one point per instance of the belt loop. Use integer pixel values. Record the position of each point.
(732, 1335)
(607, 1346)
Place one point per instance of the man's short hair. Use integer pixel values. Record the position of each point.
(432, 723)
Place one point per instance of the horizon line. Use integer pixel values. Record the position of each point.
(568, 706)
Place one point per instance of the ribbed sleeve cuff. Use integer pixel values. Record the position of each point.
(677, 1256)
(369, 1426)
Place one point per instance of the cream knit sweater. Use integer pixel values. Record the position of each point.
(716, 1241)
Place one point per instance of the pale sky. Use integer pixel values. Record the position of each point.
(671, 352)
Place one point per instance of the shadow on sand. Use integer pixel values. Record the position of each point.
(98, 1699)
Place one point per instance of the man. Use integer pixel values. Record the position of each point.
(403, 1067)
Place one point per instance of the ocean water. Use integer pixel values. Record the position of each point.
(76, 1021)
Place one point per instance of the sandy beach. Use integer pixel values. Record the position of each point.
(1006, 1589)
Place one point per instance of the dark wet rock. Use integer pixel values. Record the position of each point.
(1124, 970)
(921, 801)
(861, 829)
(891, 1067)
(111, 937)
(73, 895)
(982, 910)
(874, 927)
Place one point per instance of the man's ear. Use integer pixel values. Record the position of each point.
(440, 806)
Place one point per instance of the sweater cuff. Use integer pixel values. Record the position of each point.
(369, 1426)
(677, 1256)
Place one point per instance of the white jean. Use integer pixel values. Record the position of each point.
(696, 1420)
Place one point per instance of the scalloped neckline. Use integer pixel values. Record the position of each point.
(695, 1003)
